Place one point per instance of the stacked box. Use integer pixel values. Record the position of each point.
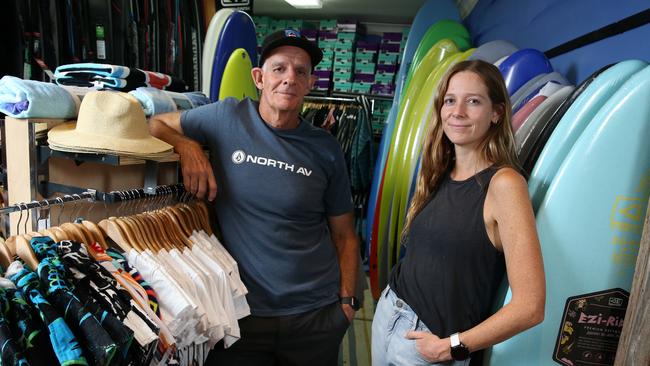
(328, 25)
(297, 24)
(348, 26)
(387, 61)
(402, 45)
(310, 34)
(327, 39)
(363, 83)
(262, 27)
(380, 111)
(277, 24)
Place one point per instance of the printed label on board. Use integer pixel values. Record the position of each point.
(591, 327)
(244, 5)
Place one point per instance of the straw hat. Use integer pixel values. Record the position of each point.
(108, 122)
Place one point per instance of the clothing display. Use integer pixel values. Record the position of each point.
(349, 122)
(165, 293)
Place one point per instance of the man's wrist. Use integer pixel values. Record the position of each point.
(352, 301)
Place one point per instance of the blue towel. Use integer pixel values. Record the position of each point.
(156, 101)
(35, 99)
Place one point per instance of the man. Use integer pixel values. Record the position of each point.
(284, 209)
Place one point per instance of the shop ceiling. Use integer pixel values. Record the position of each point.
(368, 11)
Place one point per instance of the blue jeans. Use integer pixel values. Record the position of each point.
(393, 319)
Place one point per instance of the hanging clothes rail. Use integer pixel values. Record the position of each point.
(133, 194)
(310, 98)
(90, 195)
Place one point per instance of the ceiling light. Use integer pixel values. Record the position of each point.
(306, 4)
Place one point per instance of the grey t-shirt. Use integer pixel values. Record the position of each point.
(276, 189)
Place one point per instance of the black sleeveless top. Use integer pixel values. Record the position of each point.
(451, 271)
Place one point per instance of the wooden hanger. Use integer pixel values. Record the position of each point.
(74, 232)
(26, 253)
(115, 232)
(192, 217)
(5, 257)
(174, 228)
(97, 232)
(160, 226)
(204, 215)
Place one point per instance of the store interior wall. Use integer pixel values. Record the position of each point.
(546, 24)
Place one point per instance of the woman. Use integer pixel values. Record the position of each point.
(470, 221)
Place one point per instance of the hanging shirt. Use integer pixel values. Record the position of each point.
(176, 309)
(29, 331)
(66, 347)
(92, 281)
(11, 353)
(94, 338)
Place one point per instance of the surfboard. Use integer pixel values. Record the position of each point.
(529, 163)
(532, 127)
(589, 225)
(522, 114)
(574, 122)
(237, 32)
(441, 50)
(430, 12)
(493, 51)
(519, 98)
(532, 92)
(237, 81)
(445, 28)
(210, 46)
(522, 66)
(421, 117)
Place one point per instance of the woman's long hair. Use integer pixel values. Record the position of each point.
(438, 154)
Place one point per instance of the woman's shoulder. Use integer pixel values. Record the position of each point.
(506, 180)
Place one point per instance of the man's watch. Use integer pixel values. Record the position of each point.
(352, 301)
(459, 351)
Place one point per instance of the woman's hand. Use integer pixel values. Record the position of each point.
(430, 346)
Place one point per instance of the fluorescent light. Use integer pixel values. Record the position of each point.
(306, 4)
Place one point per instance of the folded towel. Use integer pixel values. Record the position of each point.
(115, 77)
(35, 99)
(156, 101)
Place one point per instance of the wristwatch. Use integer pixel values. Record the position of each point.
(459, 351)
(352, 301)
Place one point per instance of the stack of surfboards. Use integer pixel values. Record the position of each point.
(590, 190)
(444, 43)
(229, 54)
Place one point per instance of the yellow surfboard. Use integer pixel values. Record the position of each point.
(237, 81)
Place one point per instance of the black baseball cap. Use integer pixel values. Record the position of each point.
(290, 37)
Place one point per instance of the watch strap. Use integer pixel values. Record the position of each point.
(350, 300)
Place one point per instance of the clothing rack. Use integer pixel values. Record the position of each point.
(134, 194)
(90, 195)
(310, 98)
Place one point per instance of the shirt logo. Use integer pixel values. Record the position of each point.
(291, 33)
(238, 157)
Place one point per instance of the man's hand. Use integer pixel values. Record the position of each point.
(430, 346)
(349, 311)
(198, 176)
